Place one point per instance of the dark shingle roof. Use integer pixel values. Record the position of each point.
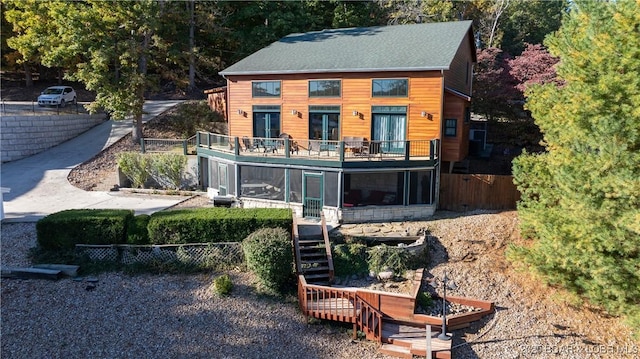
(416, 47)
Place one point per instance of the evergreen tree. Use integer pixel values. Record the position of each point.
(581, 199)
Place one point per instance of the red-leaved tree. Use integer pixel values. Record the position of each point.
(493, 87)
(534, 66)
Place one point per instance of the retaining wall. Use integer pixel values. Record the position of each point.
(23, 136)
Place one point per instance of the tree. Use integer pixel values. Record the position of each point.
(109, 46)
(529, 22)
(534, 66)
(493, 86)
(580, 201)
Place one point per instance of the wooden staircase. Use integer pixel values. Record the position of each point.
(370, 312)
(313, 252)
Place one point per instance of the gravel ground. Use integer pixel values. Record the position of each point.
(179, 316)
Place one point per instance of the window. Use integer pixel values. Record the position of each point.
(265, 89)
(450, 127)
(390, 88)
(324, 88)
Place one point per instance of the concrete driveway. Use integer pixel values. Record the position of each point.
(38, 184)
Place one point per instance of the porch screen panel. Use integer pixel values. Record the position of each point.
(231, 173)
(262, 182)
(421, 187)
(331, 189)
(374, 188)
(213, 174)
(295, 186)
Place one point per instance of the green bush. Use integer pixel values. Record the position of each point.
(206, 225)
(135, 166)
(394, 259)
(269, 255)
(223, 285)
(350, 259)
(137, 232)
(192, 116)
(65, 229)
(167, 169)
(424, 300)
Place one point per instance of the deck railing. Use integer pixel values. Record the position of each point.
(320, 149)
(327, 246)
(186, 146)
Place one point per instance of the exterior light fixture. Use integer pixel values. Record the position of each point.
(426, 114)
(294, 112)
(240, 112)
(355, 113)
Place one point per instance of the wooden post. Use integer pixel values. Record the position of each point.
(429, 355)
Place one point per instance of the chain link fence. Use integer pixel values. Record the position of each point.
(202, 255)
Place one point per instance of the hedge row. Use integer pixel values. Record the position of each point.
(205, 225)
(90, 226)
(202, 225)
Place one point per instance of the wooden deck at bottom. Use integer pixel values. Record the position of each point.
(414, 338)
(332, 308)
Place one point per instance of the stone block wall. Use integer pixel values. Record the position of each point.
(23, 136)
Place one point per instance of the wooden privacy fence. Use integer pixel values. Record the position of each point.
(465, 192)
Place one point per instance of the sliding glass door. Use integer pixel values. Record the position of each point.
(389, 127)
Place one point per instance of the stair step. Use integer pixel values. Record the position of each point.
(316, 276)
(318, 261)
(396, 351)
(313, 254)
(315, 269)
(310, 241)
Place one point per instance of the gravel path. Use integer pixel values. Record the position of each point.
(179, 316)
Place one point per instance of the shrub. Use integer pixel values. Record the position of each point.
(167, 169)
(223, 285)
(137, 232)
(269, 255)
(424, 300)
(192, 116)
(135, 166)
(205, 225)
(65, 229)
(395, 259)
(350, 259)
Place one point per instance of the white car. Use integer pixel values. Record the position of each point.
(57, 96)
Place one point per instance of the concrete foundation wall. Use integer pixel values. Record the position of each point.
(23, 136)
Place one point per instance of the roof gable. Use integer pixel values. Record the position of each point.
(416, 47)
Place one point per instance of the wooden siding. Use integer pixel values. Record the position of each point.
(455, 148)
(425, 95)
(461, 192)
(459, 76)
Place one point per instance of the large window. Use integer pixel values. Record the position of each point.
(324, 88)
(390, 88)
(266, 121)
(265, 89)
(450, 127)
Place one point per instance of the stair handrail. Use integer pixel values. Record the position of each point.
(315, 293)
(363, 320)
(296, 244)
(327, 244)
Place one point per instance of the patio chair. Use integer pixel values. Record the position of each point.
(248, 144)
(293, 145)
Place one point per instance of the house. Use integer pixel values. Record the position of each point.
(355, 123)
